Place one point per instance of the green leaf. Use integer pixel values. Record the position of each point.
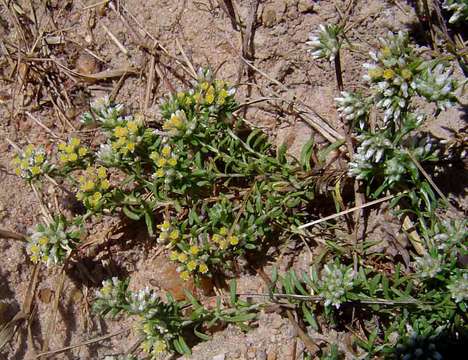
(201, 335)
(130, 214)
(149, 222)
(233, 291)
(306, 153)
(310, 318)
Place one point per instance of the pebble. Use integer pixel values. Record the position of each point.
(305, 6)
(261, 355)
(219, 357)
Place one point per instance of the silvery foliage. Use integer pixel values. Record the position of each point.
(325, 42)
(104, 113)
(428, 266)
(459, 9)
(334, 283)
(418, 347)
(107, 156)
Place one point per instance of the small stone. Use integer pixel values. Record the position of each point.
(305, 6)
(219, 357)
(271, 355)
(261, 355)
(269, 17)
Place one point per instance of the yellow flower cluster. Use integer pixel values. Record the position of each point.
(190, 262)
(165, 161)
(177, 124)
(71, 151)
(127, 137)
(212, 93)
(223, 239)
(153, 347)
(169, 233)
(93, 185)
(31, 163)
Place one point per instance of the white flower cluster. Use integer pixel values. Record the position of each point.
(325, 42)
(370, 152)
(51, 243)
(459, 9)
(107, 156)
(391, 73)
(435, 83)
(143, 300)
(104, 112)
(335, 281)
(353, 107)
(459, 287)
(428, 266)
(111, 292)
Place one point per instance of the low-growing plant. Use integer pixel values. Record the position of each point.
(164, 324)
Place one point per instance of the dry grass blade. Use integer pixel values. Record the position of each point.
(84, 343)
(8, 331)
(344, 212)
(52, 319)
(6, 234)
(309, 344)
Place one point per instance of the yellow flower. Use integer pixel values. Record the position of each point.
(388, 74)
(386, 51)
(223, 231)
(203, 268)
(174, 235)
(223, 245)
(28, 150)
(147, 328)
(69, 149)
(174, 255)
(194, 250)
(45, 258)
(39, 158)
(24, 164)
(88, 186)
(166, 151)
(35, 170)
(197, 97)
(154, 156)
(43, 240)
(163, 236)
(75, 142)
(223, 94)
(82, 151)
(18, 171)
(233, 240)
(172, 161)
(220, 101)
(63, 158)
(161, 162)
(34, 258)
(80, 196)
(406, 74)
(159, 173)
(132, 126)
(102, 172)
(191, 265)
(205, 85)
(209, 98)
(216, 238)
(188, 101)
(146, 346)
(176, 121)
(165, 226)
(105, 184)
(97, 196)
(131, 146)
(184, 275)
(120, 132)
(182, 257)
(34, 249)
(73, 157)
(62, 146)
(159, 347)
(375, 73)
(180, 95)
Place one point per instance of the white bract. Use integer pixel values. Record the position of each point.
(459, 9)
(459, 287)
(335, 281)
(325, 42)
(353, 107)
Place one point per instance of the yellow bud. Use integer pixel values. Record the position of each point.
(375, 73)
(174, 255)
(131, 146)
(34, 258)
(24, 164)
(29, 150)
(185, 275)
(120, 132)
(165, 226)
(34, 249)
(223, 245)
(88, 186)
(194, 250)
(209, 98)
(174, 235)
(35, 170)
(69, 149)
(62, 146)
(223, 231)
(203, 268)
(182, 257)
(388, 74)
(73, 157)
(101, 172)
(406, 74)
(159, 173)
(132, 126)
(172, 161)
(43, 240)
(191, 265)
(166, 151)
(105, 184)
(39, 158)
(82, 151)
(233, 240)
(386, 51)
(205, 85)
(161, 162)
(75, 142)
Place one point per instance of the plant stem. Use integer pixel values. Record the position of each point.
(339, 77)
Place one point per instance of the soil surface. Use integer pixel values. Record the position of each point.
(40, 102)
